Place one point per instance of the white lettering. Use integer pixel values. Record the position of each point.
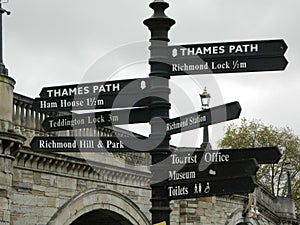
(210, 157)
(177, 160)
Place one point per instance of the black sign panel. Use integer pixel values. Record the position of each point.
(203, 171)
(88, 102)
(98, 88)
(206, 188)
(263, 48)
(97, 119)
(264, 155)
(80, 144)
(204, 118)
(227, 65)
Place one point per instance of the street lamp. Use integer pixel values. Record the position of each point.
(205, 99)
(288, 167)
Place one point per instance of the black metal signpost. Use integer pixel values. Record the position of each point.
(159, 25)
(241, 57)
(188, 174)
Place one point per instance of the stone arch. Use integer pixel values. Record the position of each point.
(99, 200)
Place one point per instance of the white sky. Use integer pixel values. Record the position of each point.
(48, 43)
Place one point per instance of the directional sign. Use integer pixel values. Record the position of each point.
(264, 155)
(97, 88)
(227, 65)
(205, 188)
(88, 102)
(80, 144)
(97, 119)
(202, 171)
(203, 118)
(262, 48)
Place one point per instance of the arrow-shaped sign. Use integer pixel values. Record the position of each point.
(204, 118)
(226, 65)
(80, 144)
(206, 188)
(264, 155)
(97, 119)
(261, 48)
(136, 86)
(203, 171)
(89, 102)
(184, 123)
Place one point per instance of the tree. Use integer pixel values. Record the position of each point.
(253, 133)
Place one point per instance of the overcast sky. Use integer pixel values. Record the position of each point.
(51, 42)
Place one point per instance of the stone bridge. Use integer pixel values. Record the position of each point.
(89, 188)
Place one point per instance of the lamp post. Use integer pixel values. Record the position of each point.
(205, 99)
(3, 70)
(288, 168)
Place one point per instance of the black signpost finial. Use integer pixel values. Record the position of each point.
(3, 70)
(159, 25)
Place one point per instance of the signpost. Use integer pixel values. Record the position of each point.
(97, 119)
(228, 57)
(189, 174)
(204, 118)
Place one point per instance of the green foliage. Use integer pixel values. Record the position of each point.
(253, 133)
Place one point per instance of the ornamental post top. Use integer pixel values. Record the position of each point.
(159, 23)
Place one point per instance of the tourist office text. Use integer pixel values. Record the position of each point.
(189, 159)
(208, 158)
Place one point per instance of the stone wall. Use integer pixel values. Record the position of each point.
(42, 185)
(207, 211)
